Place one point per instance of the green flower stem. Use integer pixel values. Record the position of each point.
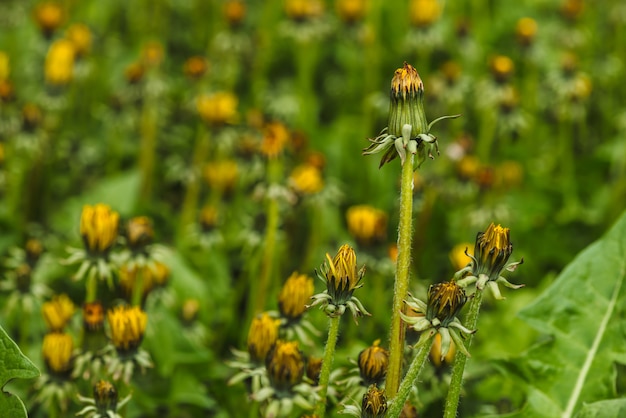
(401, 286)
(147, 156)
(411, 376)
(327, 363)
(274, 173)
(456, 382)
(488, 125)
(92, 286)
(138, 288)
(192, 194)
(306, 55)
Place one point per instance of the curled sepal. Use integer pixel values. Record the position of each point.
(439, 119)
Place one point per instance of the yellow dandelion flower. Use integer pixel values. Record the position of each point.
(127, 325)
(295, 295)
(275, 138)
(424, 13)
(57, 352)
(80, 36)
(366, 224)
(262, 336)
(285, 365)
(58, 312)
(306, 179)
(373, 362)
(98, 227)
(218, 108)
(59, 65)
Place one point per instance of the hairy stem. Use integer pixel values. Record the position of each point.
(327, 363)
(411, 376)
(456, 382)
(401, 286)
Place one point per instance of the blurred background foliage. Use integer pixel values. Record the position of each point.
(234, 124)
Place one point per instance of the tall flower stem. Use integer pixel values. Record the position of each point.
(147, 156)
(274, 174)
(327, 363)
(192, 194)
(91, 287)
(407, 383)
(401, 286)
(456, 382)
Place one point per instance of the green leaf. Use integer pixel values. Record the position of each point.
(581, 316)
(611, 408)
(13, 365)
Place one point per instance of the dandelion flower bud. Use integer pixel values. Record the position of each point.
(80, 36)
(139, 232)
(58, 312)
(374, 403)
(57, 352)
(105, 396)
(49, 16)
(218, 108)
(306, 179)
(445, 300)
(285, 365)
(406, 108)
(373, 363)
(295, 295)
(492, 251)
(262, 336)
(366, 224)
(59, 65)
(127, 325)
(93, 316)
(98, 228)
(526, 30)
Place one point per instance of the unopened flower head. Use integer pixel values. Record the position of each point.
(342, 277)
(374, 403)
(373, 362)
(285, 365)
(105, 395)
(262, 336)
(445, 300)
(407, 129)
(366, 224)
(491, 254)
(295, 295)
(209, 217)
(58, 312)
(99, 228)
(313, 369)
(93, 316)
(57, 352)
(439, 316)
(303, 10)
(127, 325)
(492, 251)
(502, 68)
(139, 232)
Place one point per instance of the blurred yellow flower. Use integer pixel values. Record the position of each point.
(234, 11)
(222, 174)
(501, 67)
(49, 16)
(300, 10)
(127, 325)
(351, 11)
(195, 67)
(218, 108)
(80, 36)
(58, 312)
(275, 138)
(424, 13)
(526, 30)
(285, 365)
(59, 65)
(457, 255)
(306, 179)
(98, 227)
(208, 217)
(57, 352)
(366, 224)
(93, 316)
(139, 232)
(295, 295)
(5, 69)
(262, 336)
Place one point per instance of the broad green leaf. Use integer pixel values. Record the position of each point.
(13, 365)
(581, 316)
(610, 408)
